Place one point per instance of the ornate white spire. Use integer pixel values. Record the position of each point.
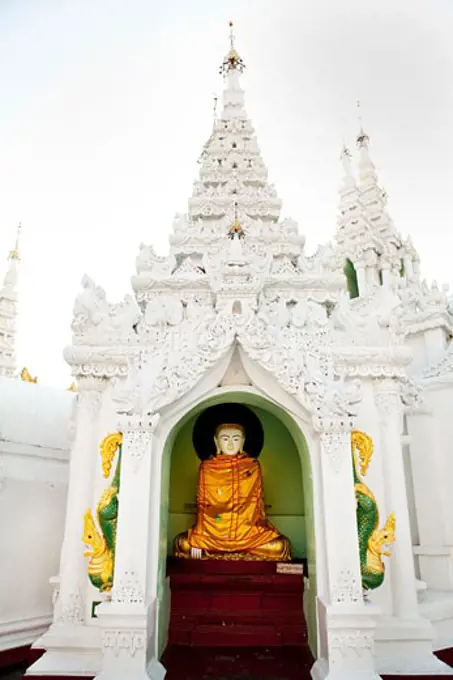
(232, 182)
(8, 312)
(233, 95)
(366, 235)
(374, 198)
(232, 243)
(351, 227)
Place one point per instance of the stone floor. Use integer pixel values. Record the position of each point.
(226, 663)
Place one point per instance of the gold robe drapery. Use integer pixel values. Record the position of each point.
(231, 516)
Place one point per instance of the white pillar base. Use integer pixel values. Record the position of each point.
(405, 646)
(346, 633)
(128, 642)
(70, 650)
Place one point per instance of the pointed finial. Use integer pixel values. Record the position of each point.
(232, 61)
(345, 157)
(362, 137)
(345, 153)
(14, 254)
(231, 35)
(359, 112)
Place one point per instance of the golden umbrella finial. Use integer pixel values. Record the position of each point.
(14, 254)
(232, 61)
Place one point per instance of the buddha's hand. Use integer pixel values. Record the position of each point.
(195, 553)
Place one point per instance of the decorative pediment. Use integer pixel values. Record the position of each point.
(189, 269)
(163, 375)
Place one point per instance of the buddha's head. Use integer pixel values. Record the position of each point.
(229, 439)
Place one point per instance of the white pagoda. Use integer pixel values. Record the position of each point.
(345, 346)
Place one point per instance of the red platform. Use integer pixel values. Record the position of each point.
(235, 604)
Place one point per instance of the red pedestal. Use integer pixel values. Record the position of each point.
(235, 604)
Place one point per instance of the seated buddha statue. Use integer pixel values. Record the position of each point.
(231, 519)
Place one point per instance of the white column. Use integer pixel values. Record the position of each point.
(401, 565)
(408, 268)
(387, 275)
(361, 278)
(69, 607)
(346, 623)
(404, 641)
(128, 621)
(432, 492)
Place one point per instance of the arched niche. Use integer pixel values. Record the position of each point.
(237, 307)
(282, 477)
(351, 279)
(288, 488)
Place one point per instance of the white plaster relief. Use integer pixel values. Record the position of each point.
(127, 641)
(128, 589)
(349, 645)
(347, 588)
(69, 610)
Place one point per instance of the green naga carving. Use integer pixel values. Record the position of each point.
(371, 539)
(102, 544)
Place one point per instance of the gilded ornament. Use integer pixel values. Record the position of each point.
(371, 539)
(232, 61)
(109, 447)
(14, 254)
(102, 543)
(26, 376)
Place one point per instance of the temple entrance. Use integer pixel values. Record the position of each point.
(251, 593)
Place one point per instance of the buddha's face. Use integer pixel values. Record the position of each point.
(229, 439)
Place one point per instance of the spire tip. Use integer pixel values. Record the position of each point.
(232, 61)
(14, 254)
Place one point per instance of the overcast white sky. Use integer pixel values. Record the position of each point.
(105, 105)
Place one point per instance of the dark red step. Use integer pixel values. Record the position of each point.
(213, 663)
(235, 604)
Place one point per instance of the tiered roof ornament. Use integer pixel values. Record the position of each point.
(236, 277)
(366, 238)
(9, 311)
(231, 199)
(233, 61)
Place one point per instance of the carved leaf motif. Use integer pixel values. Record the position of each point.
(129, 641)
(336, 446)
(347, 588)
(136, 445)
(128, 589)
(69, 608)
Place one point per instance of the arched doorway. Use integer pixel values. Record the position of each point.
(288, 493)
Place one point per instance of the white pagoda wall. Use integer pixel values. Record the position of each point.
(34, 451)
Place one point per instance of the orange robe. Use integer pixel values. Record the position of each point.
(231, 517)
